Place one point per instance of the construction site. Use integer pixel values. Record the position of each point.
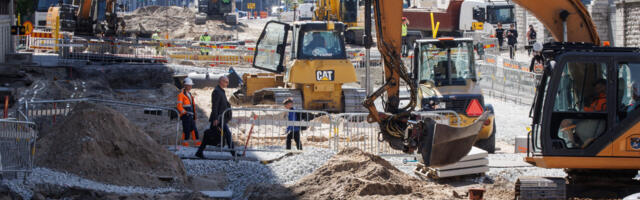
(324, 99)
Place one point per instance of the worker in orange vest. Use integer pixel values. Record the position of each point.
(186, 106)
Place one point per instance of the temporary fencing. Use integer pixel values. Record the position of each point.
(161, 120)
(17, 148)
(512, 82)
(260, 129)
(353, 130)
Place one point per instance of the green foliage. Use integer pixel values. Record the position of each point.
(24, 7)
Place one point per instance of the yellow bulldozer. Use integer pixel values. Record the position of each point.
(315, 73)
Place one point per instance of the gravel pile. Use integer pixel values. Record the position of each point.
(244, 173)
(51, 177)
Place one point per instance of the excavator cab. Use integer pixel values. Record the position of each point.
(444, 70)
(316, 71)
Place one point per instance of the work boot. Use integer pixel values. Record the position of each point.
(200, 155)
(233, 153)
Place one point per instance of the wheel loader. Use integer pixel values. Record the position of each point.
(315, 74)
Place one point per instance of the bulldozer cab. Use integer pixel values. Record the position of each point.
(586, 100)
(311, 41)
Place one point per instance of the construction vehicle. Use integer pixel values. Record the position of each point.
(217, 10)
(316, 72)
(444, 70)
(85, 17)
(345, 11)
(594, 139)
(457, 17)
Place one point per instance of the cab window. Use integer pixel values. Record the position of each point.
(322, 44)
(628, 94)
(579, 111)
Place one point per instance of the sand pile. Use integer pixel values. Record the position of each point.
(353, 174)
(99, 143)
(177, 21)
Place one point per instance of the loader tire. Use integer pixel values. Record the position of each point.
(488, 144)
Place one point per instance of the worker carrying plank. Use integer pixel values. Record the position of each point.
(186, 107)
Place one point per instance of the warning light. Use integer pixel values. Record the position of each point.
(474, 109)
(606, 43)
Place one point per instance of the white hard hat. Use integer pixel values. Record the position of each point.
(188, 81)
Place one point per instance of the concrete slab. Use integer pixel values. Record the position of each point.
(218, 194)
(466, 164)
(461, 172)
(474, 154)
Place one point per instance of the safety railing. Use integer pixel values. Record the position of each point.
(512, 82)
(160, 122)
(17, 148)
(353, 130)
(259, 129)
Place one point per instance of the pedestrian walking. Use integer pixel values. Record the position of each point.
(219, 118)
(531, 38)
(512, 40)
(499, 33)
(293, 132)
(186, 106)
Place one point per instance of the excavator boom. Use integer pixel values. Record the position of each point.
(552, 14)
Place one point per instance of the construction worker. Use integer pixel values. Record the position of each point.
(204, 39)
(156, 37)
(293, 132)
(599, 102)
(186, 107)
(405, 43)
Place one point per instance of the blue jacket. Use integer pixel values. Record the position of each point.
(293, 117)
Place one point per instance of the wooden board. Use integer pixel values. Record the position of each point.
(474, 154)
(218, 194)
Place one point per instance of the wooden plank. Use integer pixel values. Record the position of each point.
(466, 164)
(461, 172)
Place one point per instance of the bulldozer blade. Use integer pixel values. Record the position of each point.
(443, 144)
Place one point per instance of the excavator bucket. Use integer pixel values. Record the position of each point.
(443, 144)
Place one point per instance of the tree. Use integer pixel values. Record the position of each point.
(25, 8)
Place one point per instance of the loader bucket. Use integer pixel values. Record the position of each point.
(443, 145)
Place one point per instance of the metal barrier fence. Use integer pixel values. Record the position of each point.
(259, 129)
(160, 122)
(353, 130)
(17, 148)
(509, 82)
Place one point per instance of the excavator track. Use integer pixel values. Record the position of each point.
(579, 184)
(278, 95)
(353, 98)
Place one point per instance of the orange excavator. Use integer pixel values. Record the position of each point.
(599, 149)
(85, 17)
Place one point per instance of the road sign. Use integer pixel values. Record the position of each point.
(251, 5)
(28, 26)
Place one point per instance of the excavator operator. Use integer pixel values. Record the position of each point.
(599, 102)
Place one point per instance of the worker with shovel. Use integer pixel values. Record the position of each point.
(186, 106)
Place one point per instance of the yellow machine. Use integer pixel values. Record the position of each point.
(345, 11)
(85, 17)
(317, 70)
(585, 113)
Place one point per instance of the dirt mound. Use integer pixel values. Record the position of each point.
(178, 22)
(353, 174)
(99, 143)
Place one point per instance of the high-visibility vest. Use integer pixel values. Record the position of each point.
(404, 30)
(155, 36)
(186, 104)
(205, 38)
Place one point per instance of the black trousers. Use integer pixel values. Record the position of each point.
(188, 125)
(296, 136)
(405, 46)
